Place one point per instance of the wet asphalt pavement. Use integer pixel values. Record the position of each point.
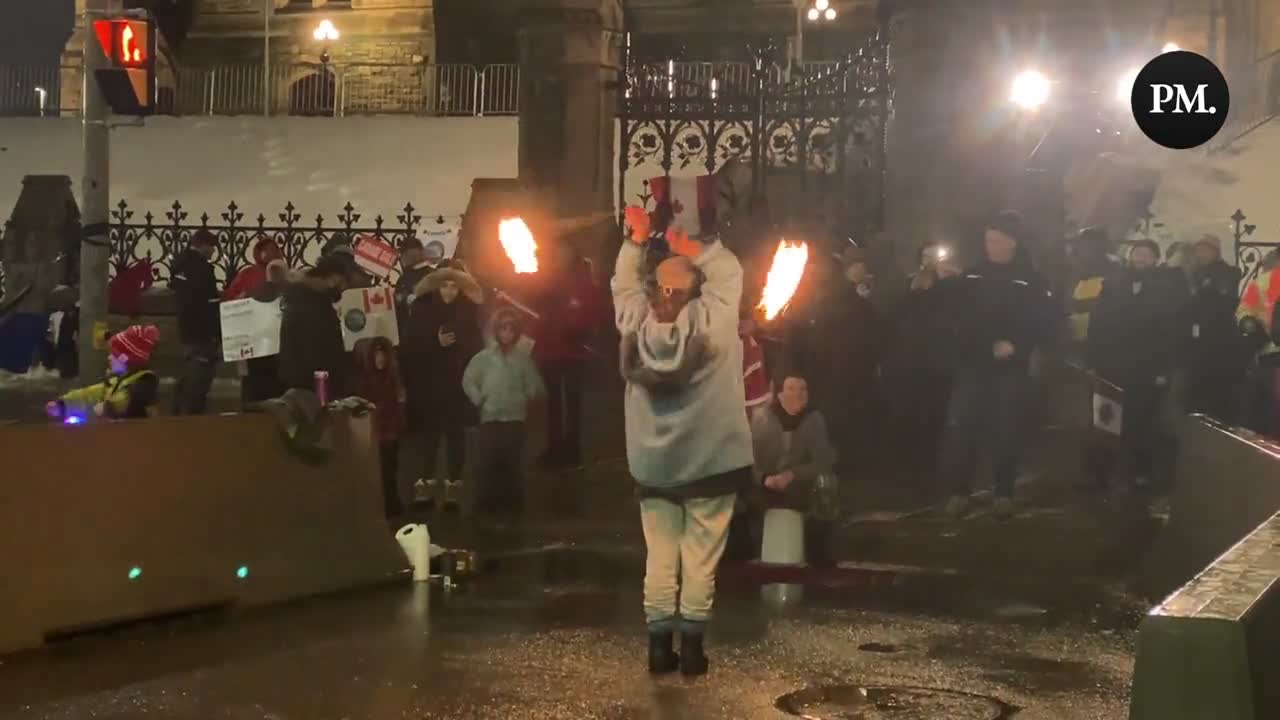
(514, 645)
(553, 629)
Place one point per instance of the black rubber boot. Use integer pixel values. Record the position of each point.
(662, 655)
(693, 661)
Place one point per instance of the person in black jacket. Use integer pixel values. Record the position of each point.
(918, 370)
(310, 333)
(839, 349)
(1134, 342)
(199, 325)
(1000, 313)
(1216, 356)
(441, 337)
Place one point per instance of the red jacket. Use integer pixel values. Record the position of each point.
(570, 310)
(252, 277)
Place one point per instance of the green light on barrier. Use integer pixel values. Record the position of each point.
(242, 572)
(135, 572)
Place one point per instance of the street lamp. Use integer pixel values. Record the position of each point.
(1030, 90)
(1170, 47)
(814, 11)
(325, 33)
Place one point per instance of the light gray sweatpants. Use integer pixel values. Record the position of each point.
(685, 542)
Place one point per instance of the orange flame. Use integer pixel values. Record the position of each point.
(519, 245)
(784, 277)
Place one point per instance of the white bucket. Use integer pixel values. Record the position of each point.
(783, 542)
(415, 540)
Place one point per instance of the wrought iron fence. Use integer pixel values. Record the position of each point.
(313, 89)
(159, 241)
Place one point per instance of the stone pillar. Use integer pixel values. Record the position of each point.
(570, 55)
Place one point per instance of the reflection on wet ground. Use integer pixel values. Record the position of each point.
(557, 633)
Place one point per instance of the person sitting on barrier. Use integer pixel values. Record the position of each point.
(131, 389)
(794, 463)
(378, 381)
(501, 381)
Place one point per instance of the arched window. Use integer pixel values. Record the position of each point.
(313, 94)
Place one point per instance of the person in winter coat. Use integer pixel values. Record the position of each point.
(378, 381)
(501, 381)
(1134, 342)
(441, 337)
(1000, 313)
(688, 441)
(131, 389)
(310, 333)
(260, 376)
(755, 377)
(199, 323)
(792, 455)
(265, 251)
(1216, 357)
(1090, 265)
(570, 308)
(839, 351)
(918, 369)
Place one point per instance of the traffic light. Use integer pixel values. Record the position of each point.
(128, 82)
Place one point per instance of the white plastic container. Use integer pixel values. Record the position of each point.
(415, 540)
(783, 541)
(782, 544)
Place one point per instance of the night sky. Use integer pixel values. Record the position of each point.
(34, 31)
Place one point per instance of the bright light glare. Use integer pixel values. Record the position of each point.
(1170, 47)
(325, 31)
(1124, 88)
(822, 4)
(830, 14)
(1030, 90)
(73, 420)
(813, 13)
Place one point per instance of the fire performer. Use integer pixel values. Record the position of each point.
(688, 440)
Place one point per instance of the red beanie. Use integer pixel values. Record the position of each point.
(136, 343)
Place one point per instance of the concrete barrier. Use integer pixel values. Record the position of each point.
(1212, 649)
(1227, 483)
(111, 522)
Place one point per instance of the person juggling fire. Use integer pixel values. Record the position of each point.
(688, 440)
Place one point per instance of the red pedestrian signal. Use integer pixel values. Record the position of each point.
(128, 82)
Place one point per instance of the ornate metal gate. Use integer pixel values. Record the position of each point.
(806, 145)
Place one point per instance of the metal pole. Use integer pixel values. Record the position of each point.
(799, 37)
(267, 7)
(95, 197)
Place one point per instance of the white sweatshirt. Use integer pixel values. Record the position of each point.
(677, 437)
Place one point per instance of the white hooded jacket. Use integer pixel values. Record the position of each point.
(684, 418)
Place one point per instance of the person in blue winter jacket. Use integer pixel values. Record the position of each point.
(688, 440)
(501, 381)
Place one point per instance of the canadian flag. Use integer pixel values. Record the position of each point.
(1108, 407)
(692, 200)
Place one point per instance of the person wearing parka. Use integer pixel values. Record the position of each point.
(570, 308)
(199, 324)
(310, 332)
(441, 336)
(501, 381)
(1001, 313)
(688, 439)
(1217, 358)
(792, 455)
(1135, 341)
(377, 379)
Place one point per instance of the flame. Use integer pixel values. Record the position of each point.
(518, 243)
(784, 277)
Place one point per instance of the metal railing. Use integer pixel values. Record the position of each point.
(311, 89)
(36, 90)
(1254, 102)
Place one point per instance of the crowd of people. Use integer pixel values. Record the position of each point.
(726, 415)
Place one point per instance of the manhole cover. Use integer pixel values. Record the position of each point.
(852, 702)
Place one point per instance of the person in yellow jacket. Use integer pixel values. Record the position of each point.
(130, 390)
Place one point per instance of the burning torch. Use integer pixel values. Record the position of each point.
(789, 262)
